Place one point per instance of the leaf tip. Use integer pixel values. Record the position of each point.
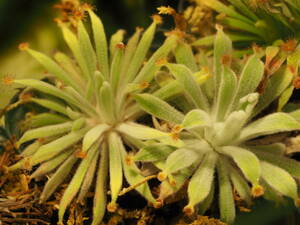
(188, 210)
(257, 191)
(112, 207)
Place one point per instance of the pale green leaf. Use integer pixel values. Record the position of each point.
(93, 135)
(250, 78)
(55, 147)
(290, 165)
(88, 179)
(45, 119)
(75, 183)
(148, 70)
(51, 164)
(46, 131)
(226, 92)
(100, 43)
(74, 45)
(115, 39)
(245, 160)
(180, 159)
(285, 97)
(226, 201)
(99, 206)
(107, 103)
(140, 131)
(57, 178)
(276, 85)
(279, 179)
(196, 118)
(115, 165)
(184, 55)
(86, 48)
(270, 124)
(159, 108)
(201, 182)
(50, 105)
(116, 68)
(133, 176)
(222, 48)
(140, 53)
(153, 153)
(185, 78)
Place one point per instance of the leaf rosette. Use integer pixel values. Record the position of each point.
(218, 130)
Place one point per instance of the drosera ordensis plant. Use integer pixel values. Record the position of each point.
(93, 113)
(218, 130)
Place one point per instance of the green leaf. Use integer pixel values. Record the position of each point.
(250, 78)
(51, 164)
(93, 135)
(75, 183)
(130, 50)
(152, 153)
(284, 97)
(70, 67)
(74, 45)
(279, 179)
(48, 89)
(242, 7)
(226, 92)
(107, 103)
(233, 123)
(53, 148)
(276, 85)
(88, 179)
(53, 68)
(222, 8)
(115, 165)
(78, 124)
(246, 161)
(159, 108)
(133, 176)
(167, 189)
(195, 118)
(116, 68)
(270, 124)
(295, 114)
(86, 48)
(179, 160)
(206, 203)
(290, 165)
(222, 47)
(57, 178)
(139, 131)
(99, 206)
(50, 105)
(140, 53)
(226, 201)
(201, 182)
(45, 119)
(100, 43)
(148, 71)
(83, 102)
(169, 90)
(184, 55)
(275, 148)
(31, 149)
(185, 78)
(115, 39)
(240, 185)
(46, 131)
